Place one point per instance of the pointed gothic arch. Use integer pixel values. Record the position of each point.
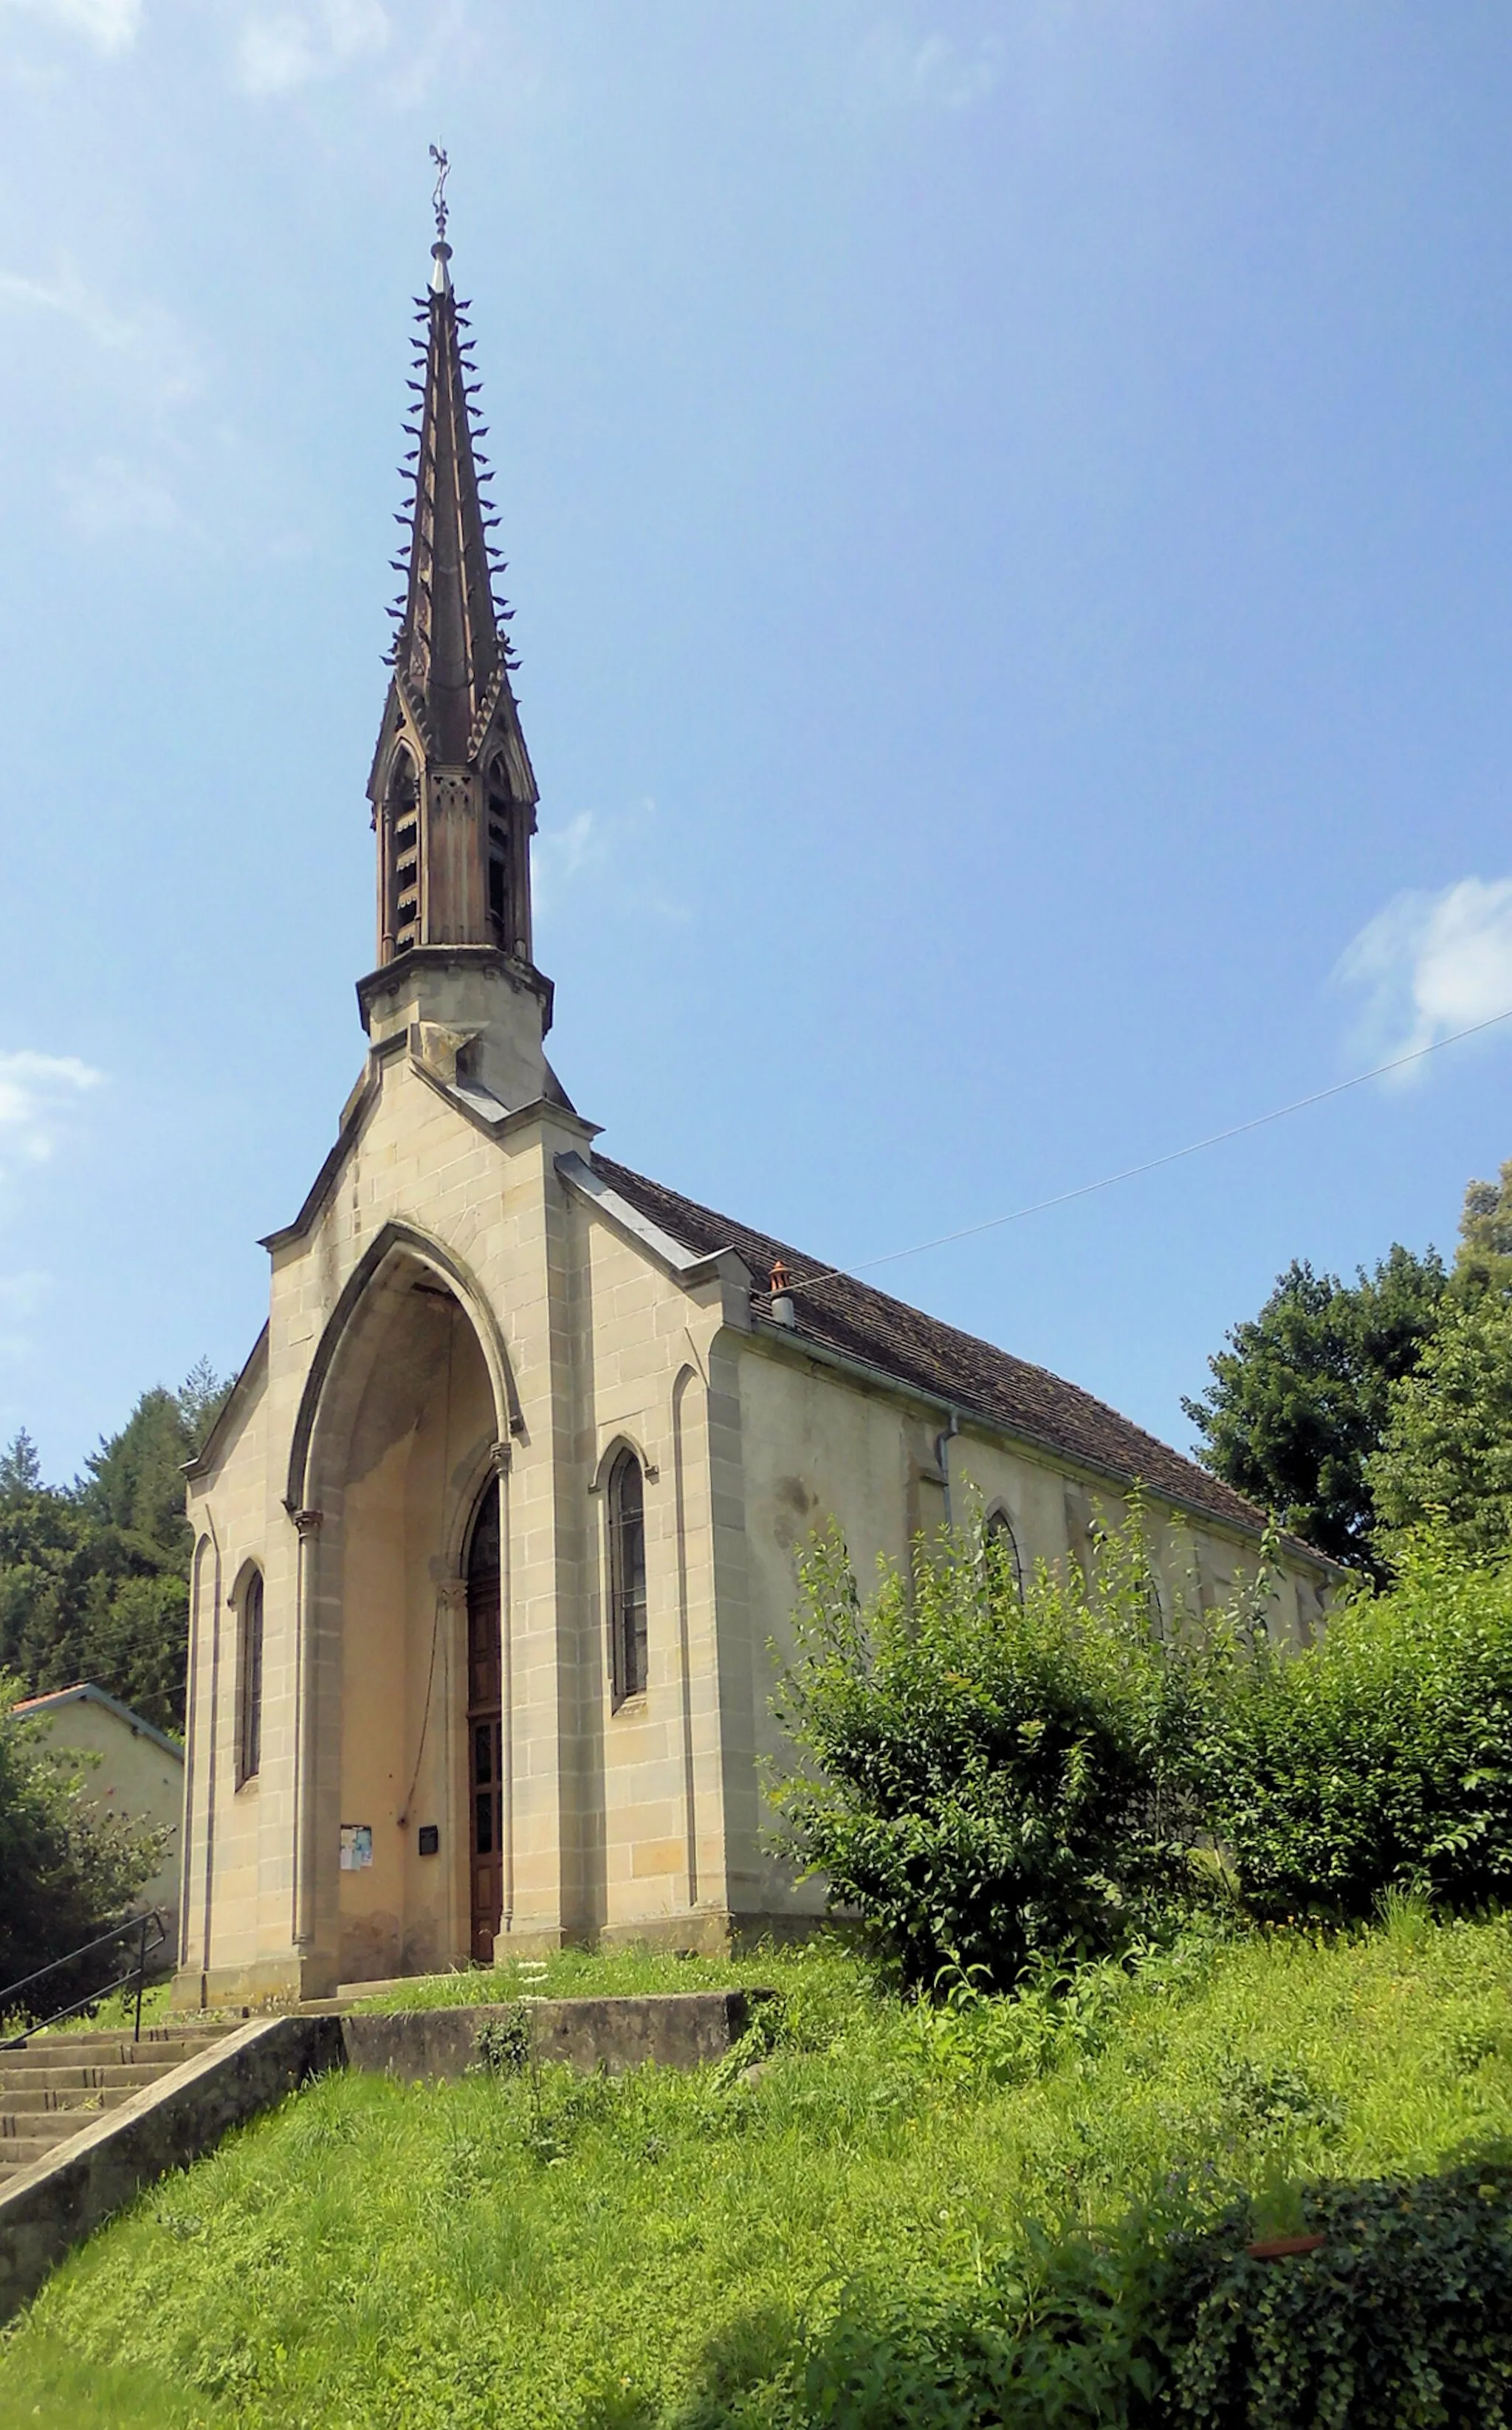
(396, 1244)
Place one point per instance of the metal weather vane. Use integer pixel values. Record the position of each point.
(438, 197)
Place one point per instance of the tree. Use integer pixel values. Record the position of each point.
(94, 1577)
(1302, 1397)
(67, 1872)
(1483, 1261)
(1446, 1453)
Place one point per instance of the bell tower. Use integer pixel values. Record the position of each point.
(452, 794)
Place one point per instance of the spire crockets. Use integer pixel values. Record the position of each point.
(452, 789)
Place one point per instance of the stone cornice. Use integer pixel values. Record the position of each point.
(391, 977)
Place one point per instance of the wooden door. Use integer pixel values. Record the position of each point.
(485, 1762)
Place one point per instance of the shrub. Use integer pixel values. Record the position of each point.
(1379, 1759)
(991, 1779)
(1400, 2319)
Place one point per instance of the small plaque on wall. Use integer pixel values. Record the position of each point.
(356, 1847)
(429, 1839)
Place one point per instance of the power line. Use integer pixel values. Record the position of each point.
(1153, 1164)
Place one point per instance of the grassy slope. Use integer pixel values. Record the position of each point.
(505, 2253)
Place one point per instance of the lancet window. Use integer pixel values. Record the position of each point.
(249, 1682)
(627, 1576)
(1001, 1536)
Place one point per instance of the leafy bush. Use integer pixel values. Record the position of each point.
(1380, 1757)
(993, 1779)
(67, 1872)
(1400, 2319)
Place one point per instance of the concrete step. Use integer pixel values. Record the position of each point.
(55, 2050)
(40, 2099)
(80, 2080)
(19, 2151)
(56, 2087)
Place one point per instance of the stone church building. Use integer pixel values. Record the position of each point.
(496, 1527)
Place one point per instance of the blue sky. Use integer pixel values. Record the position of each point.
(1009, 513)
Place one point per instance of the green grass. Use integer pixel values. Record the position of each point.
(552, 2250)
(569, 1974)
(116, 2014)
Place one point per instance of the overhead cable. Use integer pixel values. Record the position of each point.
(1154, 1164)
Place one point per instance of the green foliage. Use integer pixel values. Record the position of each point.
(990, 1779)
(1447, 1451)
(93, 1578)
(1379, 1759)
(1483, 1261)
(1401, 2318)
(677, 2252)
(501, 2042)
(1300, 1398)
(66, 1870)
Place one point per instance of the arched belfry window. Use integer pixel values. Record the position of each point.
(627, 1576)
(1001, 1537)
(249, 1682)
(404, 852)
(501, 857)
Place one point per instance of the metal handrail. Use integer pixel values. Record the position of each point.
(141, 1925)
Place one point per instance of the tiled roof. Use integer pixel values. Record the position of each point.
(850, 1317)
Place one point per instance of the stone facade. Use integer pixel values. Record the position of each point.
(471, 1318)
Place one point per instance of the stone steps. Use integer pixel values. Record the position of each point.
(52, 2088)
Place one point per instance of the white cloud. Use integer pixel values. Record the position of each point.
(596, 846)
(22, 1297)
(109, 24)
(148, 343)
(1432, 964)
(38, 1094)
(279, 49)
(110, 496)
(935, 70)
(562, 854)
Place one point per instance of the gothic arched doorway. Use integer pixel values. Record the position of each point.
(395, 1459)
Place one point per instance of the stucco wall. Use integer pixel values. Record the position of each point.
(135, 1778)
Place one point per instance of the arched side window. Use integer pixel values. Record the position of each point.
(249, 1683)
(1000, 1536)
(628, 1577)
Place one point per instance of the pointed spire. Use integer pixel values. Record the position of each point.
(452, 789)
(449, 648)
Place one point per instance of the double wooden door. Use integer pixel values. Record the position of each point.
(485, 1759)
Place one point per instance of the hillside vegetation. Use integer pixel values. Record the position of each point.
(899, 2182)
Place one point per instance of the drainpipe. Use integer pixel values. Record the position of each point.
(211, 1766)
(943, 1443)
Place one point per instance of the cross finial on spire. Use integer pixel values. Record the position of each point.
(438, 197)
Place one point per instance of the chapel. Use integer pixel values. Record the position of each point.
(499, 1525)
